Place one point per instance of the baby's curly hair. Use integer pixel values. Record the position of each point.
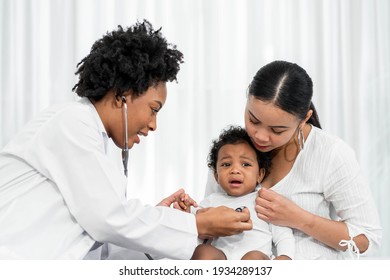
(134, 59)
(236, 135)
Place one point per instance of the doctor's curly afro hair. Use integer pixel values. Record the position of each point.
(134, 59)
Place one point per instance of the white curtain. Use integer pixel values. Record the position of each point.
(343, 44)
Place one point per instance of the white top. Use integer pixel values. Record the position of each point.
(260, 238)
(60, 192)
(326, 180)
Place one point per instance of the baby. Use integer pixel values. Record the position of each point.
(238, 169)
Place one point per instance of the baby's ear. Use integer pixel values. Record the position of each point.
(261, 175)
(216, 176)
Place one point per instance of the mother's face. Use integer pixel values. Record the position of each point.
(268, 126)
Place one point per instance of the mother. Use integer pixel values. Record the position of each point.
(315, 185)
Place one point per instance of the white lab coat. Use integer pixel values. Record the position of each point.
(60, 193)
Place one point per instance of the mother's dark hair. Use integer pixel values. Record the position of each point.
(288, 86)
(134, 58)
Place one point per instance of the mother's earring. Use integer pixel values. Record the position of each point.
(301, 139)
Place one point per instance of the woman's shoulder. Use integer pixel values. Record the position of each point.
(72, 109)
(71, 117)
(74, 115)
(323, 142)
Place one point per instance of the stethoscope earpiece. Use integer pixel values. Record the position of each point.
(125, 150)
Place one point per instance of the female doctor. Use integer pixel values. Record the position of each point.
(61, 196)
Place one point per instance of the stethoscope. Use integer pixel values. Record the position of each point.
(125, 150)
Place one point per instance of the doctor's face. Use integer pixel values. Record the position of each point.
(142, 113)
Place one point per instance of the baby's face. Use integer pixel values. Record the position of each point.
(237, 169)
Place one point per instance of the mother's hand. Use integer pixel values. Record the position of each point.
(277, 209)
(221, 221)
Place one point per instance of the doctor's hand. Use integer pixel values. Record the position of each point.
(221, 221)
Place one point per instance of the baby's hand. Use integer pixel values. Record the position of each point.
(180, 201)
(184, 203)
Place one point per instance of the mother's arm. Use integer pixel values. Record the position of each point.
(277, 209)
(346, 190)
